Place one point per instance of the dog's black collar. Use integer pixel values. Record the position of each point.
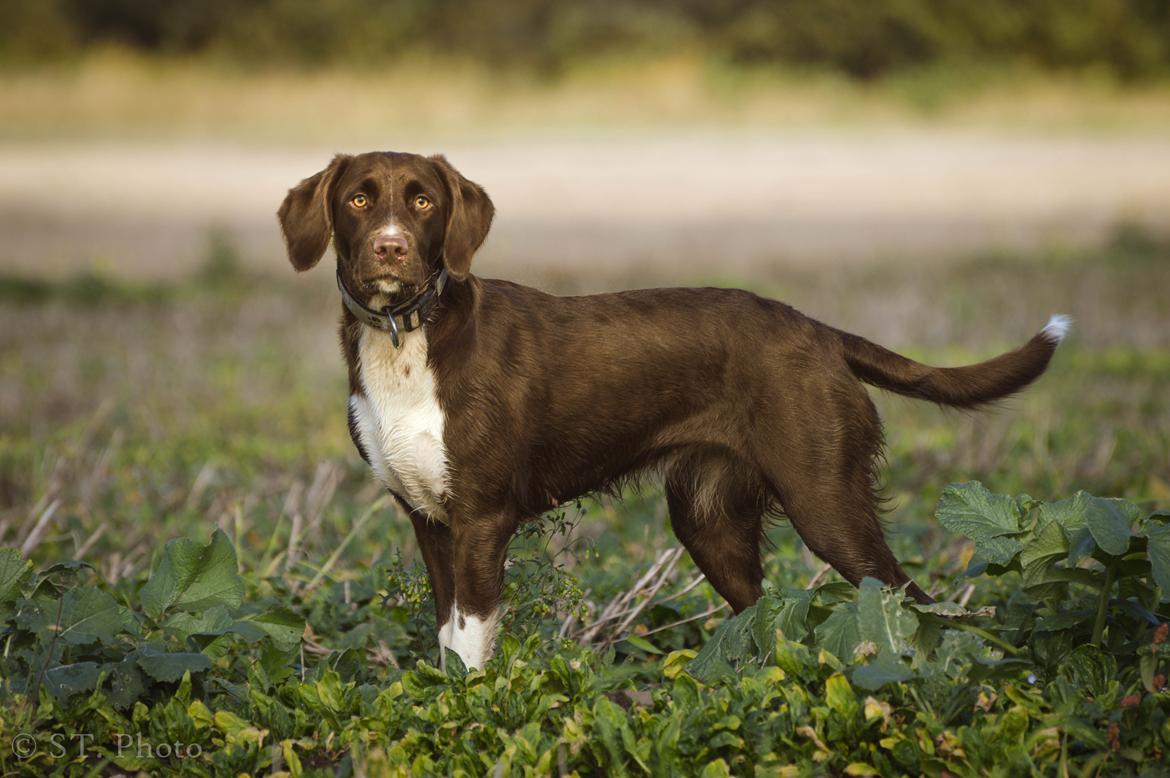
(407, 316)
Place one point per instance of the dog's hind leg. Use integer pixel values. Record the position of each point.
(839, 523)
(824, 479)
(716, 508)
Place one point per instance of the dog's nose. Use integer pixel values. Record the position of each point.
(393, 246)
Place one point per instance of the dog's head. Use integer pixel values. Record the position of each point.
(395, 219)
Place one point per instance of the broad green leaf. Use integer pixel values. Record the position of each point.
(283, 627)
(883, 619)
(80, 617)
(127, 684)
(987, 519)
(763, 630)
(192, 577)
(787, 612)
(92, 614)
(877, 674)
(1081, 545)
(1109, 522)
(793, 658)
(665, 757)
(877, 620)
(210, 621)
(830, 593)
(839, 634)
(791, 617)
(1050, 542)
(608, 721)
(686, 691)
(1158, 549)
(288, 751)
(1048, 546)
(170, 666)
(972, 510)
(14, 573)
(276, 665)
(64, 681)
(840, 697)
(229, 723)
(1067, 513)
(728, 649)
(957, 650)
(885, 623)
(998, 551)
(454, 663)
(217, 643)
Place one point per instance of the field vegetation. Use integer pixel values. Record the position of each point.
(286, 626)
(198, 576)
(113, 94)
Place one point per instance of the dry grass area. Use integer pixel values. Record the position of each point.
(607, 212)
(645, 172)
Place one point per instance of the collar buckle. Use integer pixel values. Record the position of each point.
(407, 316)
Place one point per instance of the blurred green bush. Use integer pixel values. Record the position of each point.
(1124, 39)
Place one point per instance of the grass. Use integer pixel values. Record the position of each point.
(132, 414)
(115, 95)
(155, 411)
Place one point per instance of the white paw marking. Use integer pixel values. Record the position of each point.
(399, 421)
(472, 637)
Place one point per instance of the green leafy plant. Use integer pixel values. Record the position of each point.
(1059, 667)
(71, 638)
(1091, 569)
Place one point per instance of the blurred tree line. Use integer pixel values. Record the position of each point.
(864, 39)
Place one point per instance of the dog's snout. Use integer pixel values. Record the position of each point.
(390, 246)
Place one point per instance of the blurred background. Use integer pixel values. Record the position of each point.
(658, 138)
(937, 176)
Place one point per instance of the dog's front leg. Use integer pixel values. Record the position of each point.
(480, 547)
(435, 543)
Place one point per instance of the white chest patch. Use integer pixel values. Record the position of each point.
(399, 422)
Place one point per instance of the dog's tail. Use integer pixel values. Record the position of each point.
(962, 387)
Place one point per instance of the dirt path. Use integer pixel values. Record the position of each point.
(619, 207)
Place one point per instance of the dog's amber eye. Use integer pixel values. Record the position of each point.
(359, 201)
(422, 202)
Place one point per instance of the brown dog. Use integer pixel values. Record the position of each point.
(481, 404)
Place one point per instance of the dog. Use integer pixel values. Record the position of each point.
(480, 404)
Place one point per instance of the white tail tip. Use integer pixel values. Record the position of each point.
(1057, 327)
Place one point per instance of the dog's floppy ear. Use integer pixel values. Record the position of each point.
(306, 218)
(468, 221)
